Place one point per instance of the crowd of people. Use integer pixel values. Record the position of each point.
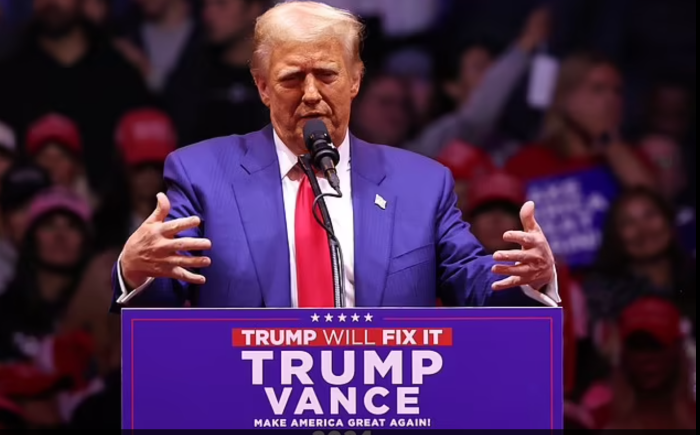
(94, 94)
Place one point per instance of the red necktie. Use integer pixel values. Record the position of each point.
(314, 272)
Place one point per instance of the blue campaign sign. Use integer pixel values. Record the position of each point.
(571, 209)
(351, 370)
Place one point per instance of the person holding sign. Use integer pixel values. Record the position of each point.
(236, 227)
(581, 128)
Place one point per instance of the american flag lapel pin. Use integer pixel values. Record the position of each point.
(380, 202)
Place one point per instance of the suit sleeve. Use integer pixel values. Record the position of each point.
(464, 267)
(163, 292)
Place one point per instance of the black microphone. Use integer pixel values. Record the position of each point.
(324, 155)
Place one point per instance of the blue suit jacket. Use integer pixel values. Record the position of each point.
(406, 255)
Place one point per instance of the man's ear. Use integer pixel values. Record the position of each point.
(263, 88)
(357, 75)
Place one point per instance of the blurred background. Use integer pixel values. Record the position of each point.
(585, 106)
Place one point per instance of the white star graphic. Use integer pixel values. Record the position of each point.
(329, 317)
(342, 317)
(314, 317)
(355, 318)
(368, 317)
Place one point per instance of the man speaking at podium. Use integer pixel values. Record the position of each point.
(236, 227)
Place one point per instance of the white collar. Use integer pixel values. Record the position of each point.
(287, 159)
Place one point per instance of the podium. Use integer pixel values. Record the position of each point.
(342, 371)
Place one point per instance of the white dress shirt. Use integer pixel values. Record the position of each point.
(339, 209)
(341, 213)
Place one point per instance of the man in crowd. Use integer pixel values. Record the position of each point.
(63, 66)
(229, 102)
(652, 385)
(165, 43)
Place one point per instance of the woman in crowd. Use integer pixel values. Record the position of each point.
(32, 357)
(582, 128)
(639, 255)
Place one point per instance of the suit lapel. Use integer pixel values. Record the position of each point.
(258, 189)
(373, 224)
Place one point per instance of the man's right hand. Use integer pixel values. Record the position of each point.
(153, 251)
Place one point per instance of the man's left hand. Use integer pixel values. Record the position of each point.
(534, 263)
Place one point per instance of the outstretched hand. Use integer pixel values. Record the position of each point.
(531, 265)
(153, 251)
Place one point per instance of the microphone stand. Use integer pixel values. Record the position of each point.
(333, 244)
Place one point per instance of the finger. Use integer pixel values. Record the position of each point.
(515, 270)
(187, 244)
(527, 217)
(175, 226)
(520, 237)
(188, 261)
(515, 255)
(162, 209)
(507, 283)
(183, 274)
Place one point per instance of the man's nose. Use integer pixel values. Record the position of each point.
(311, 94)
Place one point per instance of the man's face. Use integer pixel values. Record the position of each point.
(309, 80)
(55, 18)
(383, 111)
(649, 365)
(489, 226)
(228, 20)
(146, 181)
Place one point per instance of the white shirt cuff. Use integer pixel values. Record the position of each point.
(549, 296)
(127, 295)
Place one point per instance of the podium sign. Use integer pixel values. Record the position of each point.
(361, 371)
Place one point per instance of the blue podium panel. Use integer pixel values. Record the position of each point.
(361, 371)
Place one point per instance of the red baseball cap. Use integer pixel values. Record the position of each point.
(493, 187)
(146, 136)
(654, 316)
(53, 128)
(465, 161)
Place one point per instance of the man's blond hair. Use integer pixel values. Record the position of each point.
(304, 22)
